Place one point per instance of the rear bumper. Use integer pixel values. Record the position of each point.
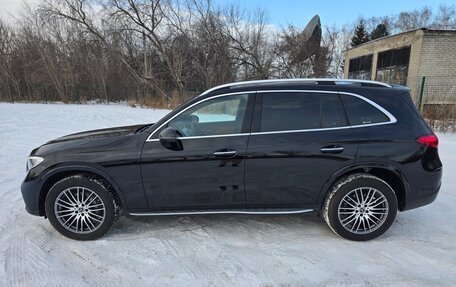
(31, 196)
(423, 199)
(424, 189)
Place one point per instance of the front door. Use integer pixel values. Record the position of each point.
(208, 173)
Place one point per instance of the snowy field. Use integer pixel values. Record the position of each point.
(216, 250)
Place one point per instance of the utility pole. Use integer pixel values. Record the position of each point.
(145, 53)
(420, 99)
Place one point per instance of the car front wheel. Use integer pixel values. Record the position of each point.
(81, 207)
(360, 207)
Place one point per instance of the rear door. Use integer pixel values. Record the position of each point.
(299, 139)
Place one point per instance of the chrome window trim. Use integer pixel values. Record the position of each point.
(299, 131)
(204, 137)
(319, 130)
(392, 119)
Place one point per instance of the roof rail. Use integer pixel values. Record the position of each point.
(317, 81)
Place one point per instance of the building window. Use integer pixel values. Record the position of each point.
(360, 68)
(392, 66)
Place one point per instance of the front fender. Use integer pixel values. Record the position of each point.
(76, 167)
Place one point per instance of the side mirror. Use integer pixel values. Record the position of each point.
(169, 138)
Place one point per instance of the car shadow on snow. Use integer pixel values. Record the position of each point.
(408, 226)
(239, 225)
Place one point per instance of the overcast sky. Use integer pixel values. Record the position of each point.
(11, 8)
(299, 12)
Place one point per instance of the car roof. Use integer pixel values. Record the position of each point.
(346, 85)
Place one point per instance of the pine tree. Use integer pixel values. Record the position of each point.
(361, 35)
(380, 31)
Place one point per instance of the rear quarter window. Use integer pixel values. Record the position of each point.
(360, 112)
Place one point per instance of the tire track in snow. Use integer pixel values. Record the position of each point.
(202, 237)
(55, 248)
(28, 262)
(15, 264)
(30, 256)
(184, 248)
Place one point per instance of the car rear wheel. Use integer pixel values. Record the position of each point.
(360, 207)
(81, 207)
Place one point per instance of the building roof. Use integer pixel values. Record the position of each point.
(406, 32)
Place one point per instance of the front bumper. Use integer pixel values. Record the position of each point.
(31, 195)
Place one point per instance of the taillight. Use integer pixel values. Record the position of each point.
(429, 140)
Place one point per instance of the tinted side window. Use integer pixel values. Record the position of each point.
(359, 112)
(290, 111)
(332, 112)
(218, 116)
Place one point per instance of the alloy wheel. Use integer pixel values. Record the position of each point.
(79, 210)
(363, 210)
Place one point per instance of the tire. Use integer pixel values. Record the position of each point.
(81, 207)
(360, 207)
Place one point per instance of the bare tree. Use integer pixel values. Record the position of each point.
(445, 18)
(9, 84)
(121, 12)
(292, 54)
(250, 42)
(414, 19)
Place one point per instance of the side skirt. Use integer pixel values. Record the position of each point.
(196, 212)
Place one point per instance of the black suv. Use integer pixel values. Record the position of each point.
(355, 151)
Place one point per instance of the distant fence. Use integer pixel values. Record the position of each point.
(435, 97)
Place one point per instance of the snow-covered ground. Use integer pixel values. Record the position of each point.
(216, 250)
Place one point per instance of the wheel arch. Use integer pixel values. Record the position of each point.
(58, 173)
(384, 171)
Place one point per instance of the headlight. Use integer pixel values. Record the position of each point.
(33, 161)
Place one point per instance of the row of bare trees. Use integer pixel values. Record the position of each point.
(155, 50)
(78, 50)
(444, 17)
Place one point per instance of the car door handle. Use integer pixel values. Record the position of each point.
(226, 153)
(332, 149)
